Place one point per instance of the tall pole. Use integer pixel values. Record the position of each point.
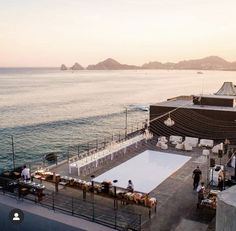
(126, 121)
(13, 153)
(234, 166)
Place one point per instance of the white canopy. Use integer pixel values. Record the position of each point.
(227, 89)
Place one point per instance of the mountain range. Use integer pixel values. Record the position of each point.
(207, 63)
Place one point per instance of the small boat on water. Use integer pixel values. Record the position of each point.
(199, 72)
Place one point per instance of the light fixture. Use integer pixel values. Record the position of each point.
(169, 122)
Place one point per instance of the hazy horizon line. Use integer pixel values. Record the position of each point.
(115, 60)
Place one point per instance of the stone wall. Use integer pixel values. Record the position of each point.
(226, 210)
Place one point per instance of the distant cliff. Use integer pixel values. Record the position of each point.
(208, 63)
(63, 67)
(111, 64)
(77, 66)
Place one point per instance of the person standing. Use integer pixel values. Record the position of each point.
(200, 191)
(145, 126)
(226, 145)
(25, 173)
(197, 173)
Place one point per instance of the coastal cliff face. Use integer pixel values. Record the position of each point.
(63, 67)
(208, 63)
(77, 66)
(111, 64)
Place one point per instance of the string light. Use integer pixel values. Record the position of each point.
(169, 122)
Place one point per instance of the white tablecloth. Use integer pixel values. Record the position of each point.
(101, 156)
(233, 162)
(214, 176)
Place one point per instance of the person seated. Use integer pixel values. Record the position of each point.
(130, 186)
(25, 173)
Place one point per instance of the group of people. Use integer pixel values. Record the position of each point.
(200, 188)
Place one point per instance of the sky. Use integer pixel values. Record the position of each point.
(52, 32)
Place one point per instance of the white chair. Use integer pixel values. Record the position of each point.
(187, 147)
(164, 146)
(179, 146)
(206, 143)
(158, 144)
(175, 139)
(205, 152)
(193, 141)
(163, 139)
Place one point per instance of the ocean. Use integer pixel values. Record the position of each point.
(48, 110)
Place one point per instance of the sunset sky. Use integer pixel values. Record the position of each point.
(51, 32)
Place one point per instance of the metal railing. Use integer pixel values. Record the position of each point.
(80, 150)
(93, 146)
(118, 219)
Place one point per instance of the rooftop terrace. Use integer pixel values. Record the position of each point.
(176, 200)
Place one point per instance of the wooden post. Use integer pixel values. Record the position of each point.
(56, 181)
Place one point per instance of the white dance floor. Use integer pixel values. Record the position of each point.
(146, 170)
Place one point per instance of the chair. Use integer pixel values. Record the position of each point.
(206, 143)
(164, 146)
(23, 192)
(163, 139)
(175, 139)
(193, 141)
(187, 147)
(205, 152)
(179, 146)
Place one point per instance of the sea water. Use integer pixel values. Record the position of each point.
(47, 110)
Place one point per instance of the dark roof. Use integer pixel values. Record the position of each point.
(189, 105)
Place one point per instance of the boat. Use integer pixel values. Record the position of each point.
(199, 72)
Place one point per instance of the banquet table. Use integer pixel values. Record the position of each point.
(32, 187)
(80, 167)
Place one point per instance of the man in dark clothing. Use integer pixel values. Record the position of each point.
(196, 177)
(226, 145)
